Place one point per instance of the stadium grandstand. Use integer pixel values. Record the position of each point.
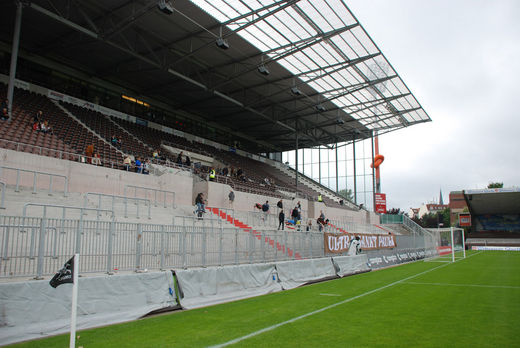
(494, 219)
(145, 105)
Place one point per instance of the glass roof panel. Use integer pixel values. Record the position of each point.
(311, 19)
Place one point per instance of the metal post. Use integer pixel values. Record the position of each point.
(14, 56)
(41, 249)
(184, 261)
(463, 244)
(162, 247)
(220, 245)
(236, 246)
(452, 246)
(138, 246)
(355, 172)
(337, 186)
(296, 177)
(203, 247)
(110, 247)
(34, 183)
(79, 233)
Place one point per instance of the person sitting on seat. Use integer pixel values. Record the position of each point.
(127, 162)
(45, 127)
(4, 110)
(96, 159)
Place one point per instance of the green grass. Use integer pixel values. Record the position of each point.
(473, 302)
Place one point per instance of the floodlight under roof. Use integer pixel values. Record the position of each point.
(262, 69)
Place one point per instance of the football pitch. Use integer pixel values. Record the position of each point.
(474, 302)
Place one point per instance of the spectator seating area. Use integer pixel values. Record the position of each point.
(73, 132)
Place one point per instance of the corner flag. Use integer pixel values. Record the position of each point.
(69, 274)
(64, 275)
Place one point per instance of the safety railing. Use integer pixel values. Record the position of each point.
(64, 208)
(35, 177)
(155, 192)
(113, 198)
(2, 199)
(391, 219)
(36, 247)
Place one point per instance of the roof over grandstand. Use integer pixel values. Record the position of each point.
(493, 201)
(303, 70)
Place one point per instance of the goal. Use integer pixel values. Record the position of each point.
(444, 244)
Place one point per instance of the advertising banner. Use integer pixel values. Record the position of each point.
(339, 243)
(380, 203)
(464, 219)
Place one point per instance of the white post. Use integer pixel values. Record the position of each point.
(452, 246)
(74, 302)
(463, 244)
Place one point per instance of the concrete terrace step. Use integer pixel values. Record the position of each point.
(249, 229)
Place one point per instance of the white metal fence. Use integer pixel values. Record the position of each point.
(35, 247)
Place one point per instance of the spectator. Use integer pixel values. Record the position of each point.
(113, 140)
(138, 165)
(280, 204)
(38, 117)
(354, 247)
(225, 171)
(322, 216)
(321, 223)
(96, 159)
(119, 142)
(294, 214)
(239, 172)
(146, 166)
(266, 180)
(155, 154)
(36, 126)
(45, 127)
(127, 162)
(320, 198)
(4, 110)
(309, 226)
(212, 174)
(231, 197)
(179, 159)
(281, 219)
(89, 151)
(187, 163)
(265, 209)
(200, 202)
(257, 206)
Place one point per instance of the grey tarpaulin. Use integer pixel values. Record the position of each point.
(34, 309)
(346, 265)
(295, 273)
(207, 286)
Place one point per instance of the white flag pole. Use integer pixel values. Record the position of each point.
(74, 302)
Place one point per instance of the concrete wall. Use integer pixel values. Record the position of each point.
(88, 178)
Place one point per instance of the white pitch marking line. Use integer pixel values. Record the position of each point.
(330, 294)
(261, 331)
(468, 285)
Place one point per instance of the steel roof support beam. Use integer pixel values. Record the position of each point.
(151, 62)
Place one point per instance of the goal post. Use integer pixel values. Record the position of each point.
(444, 244)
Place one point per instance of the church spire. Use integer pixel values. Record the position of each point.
(440, 197)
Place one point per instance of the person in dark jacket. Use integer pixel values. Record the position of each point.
(281, 219)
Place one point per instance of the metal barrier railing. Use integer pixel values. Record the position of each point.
(64, 208)
(36, 247)
(123, 198)
(164, 193)
(35, 175)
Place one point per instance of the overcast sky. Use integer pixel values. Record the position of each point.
(461, 60)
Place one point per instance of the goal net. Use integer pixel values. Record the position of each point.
(444, 244)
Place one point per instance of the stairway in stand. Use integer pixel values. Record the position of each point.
(248, 229)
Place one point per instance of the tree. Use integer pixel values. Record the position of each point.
(495, 185)
(395, 211)
(347, 194)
